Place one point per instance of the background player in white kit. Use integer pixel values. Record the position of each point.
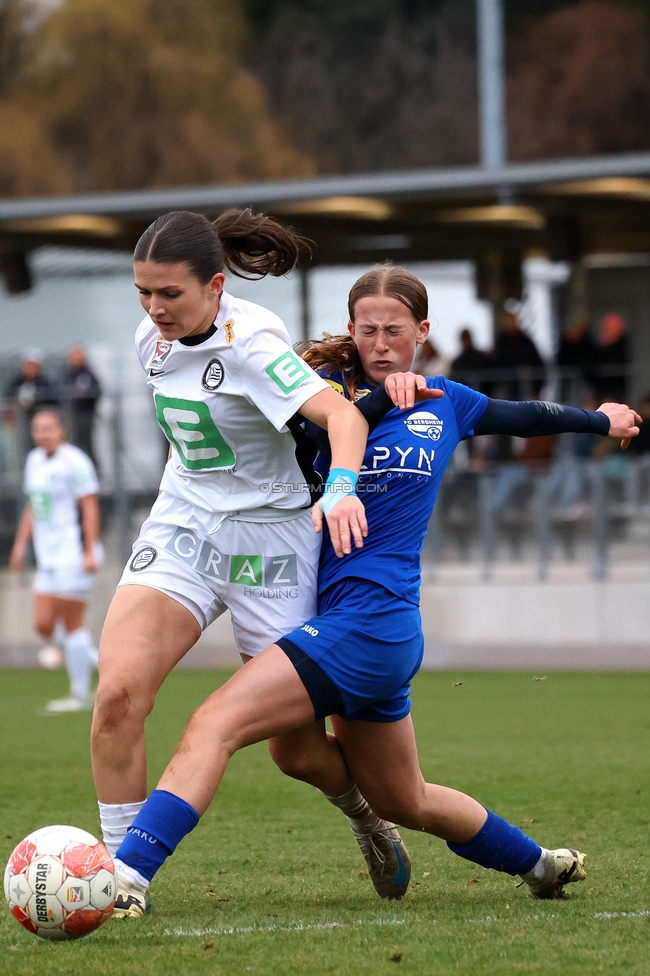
(231, 528)
(61, 515)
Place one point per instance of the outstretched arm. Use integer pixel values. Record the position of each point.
(536, 418)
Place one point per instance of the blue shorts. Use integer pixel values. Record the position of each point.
(358, 656)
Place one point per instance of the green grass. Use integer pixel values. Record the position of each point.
(271, 881)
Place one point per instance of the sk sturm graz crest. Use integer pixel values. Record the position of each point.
(142, 559)
(213, 376)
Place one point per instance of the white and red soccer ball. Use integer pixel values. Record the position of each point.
(60, 883)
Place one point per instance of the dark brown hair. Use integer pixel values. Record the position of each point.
(338, 352)
(247, 244)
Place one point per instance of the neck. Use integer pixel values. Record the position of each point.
(207, 321)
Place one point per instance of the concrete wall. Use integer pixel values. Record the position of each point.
(579, 625)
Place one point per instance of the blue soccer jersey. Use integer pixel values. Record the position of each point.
(405, 459)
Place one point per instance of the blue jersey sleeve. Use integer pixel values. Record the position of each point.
(469, 406)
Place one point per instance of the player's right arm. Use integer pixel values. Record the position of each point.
(347, 430)
(23, 535)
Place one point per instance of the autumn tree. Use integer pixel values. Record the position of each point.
(142, 94)
(579, 83)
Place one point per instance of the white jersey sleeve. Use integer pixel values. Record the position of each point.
(146, 336)
(275, 379)
(83, 477)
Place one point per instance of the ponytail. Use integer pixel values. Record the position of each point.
(257, 244)
(334, 353)
(247, 244)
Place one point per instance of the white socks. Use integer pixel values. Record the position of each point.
(81, 658)
(538, 871)
(115, 819)
(356, 809)
(126, 871)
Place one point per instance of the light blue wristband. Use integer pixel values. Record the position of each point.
(340, 484)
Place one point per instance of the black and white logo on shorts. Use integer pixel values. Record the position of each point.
(213, 376)
(142, 559)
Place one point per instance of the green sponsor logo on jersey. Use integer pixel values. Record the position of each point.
(41, 502)
(287, 371)
(190, 428)
(246, 570)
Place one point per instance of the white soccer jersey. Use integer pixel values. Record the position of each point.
(54, 485)
(223, 400)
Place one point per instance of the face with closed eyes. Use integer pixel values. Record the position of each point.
(176, 300)
(386, 336)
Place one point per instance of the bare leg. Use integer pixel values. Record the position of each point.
(310, 755)
(265, 698)
(383, 761)
(145, 634)
(44, 614)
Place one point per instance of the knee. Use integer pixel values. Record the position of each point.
(291, 761)
(117, 706)
(43, 624)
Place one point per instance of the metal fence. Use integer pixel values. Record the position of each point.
(571, 510)
(564, 508)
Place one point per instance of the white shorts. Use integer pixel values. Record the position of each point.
(264, 572)
(66, 584)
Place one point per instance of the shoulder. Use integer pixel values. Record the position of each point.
(74, 456)
(249, 322)
(145, 336)
(33, 458)
(333, 379)
(460, 396)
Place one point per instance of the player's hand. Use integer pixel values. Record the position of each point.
(623, 421)
(17, 559)
(407, 389)
(346, 522)
(89, 563)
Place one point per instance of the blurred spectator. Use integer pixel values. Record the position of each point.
(30, 387)
(82, 391)
(516, 352)
(612, 357)
(430, 362)
(469, 367)
(576, 357)
(641, 444)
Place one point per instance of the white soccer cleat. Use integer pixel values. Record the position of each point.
(559, 868)
(389, 864)
(58, 705)
(133, 901)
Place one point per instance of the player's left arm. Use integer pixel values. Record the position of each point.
(536, 418)
(89, 510)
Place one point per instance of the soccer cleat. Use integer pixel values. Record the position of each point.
(560, 868)
(132, 900)
(389, 864)
(58, 705)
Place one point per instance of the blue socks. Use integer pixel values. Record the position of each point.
(500, 846)
(165, 819)
(156, 832)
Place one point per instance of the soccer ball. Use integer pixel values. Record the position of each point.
(60, 883)
(51, 657)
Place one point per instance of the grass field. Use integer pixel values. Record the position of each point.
(271, 882)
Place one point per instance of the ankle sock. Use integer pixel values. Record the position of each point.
(156, 832)
(501, 846)
(115, 820)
